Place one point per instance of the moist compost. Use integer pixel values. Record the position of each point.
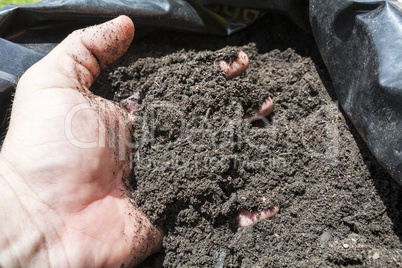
(197, 161)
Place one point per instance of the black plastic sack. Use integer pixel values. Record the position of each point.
(360, 42)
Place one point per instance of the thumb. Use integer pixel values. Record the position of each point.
(77, 61)
(48, 91)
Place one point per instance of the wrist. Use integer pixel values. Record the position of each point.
(24, 240)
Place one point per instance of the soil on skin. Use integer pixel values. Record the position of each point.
(197, 162)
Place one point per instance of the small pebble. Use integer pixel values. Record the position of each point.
(324, 238)
(345, 245)
(221, 259)
(376, 256)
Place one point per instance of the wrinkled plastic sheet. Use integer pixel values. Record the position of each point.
(360, 42)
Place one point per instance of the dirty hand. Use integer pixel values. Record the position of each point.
(62, 164)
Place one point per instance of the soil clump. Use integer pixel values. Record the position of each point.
(198, 162)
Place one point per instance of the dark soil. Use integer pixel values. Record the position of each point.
(197, 162)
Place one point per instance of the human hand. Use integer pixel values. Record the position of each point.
(64, 160)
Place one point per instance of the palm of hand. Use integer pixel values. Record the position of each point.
(59, 142)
